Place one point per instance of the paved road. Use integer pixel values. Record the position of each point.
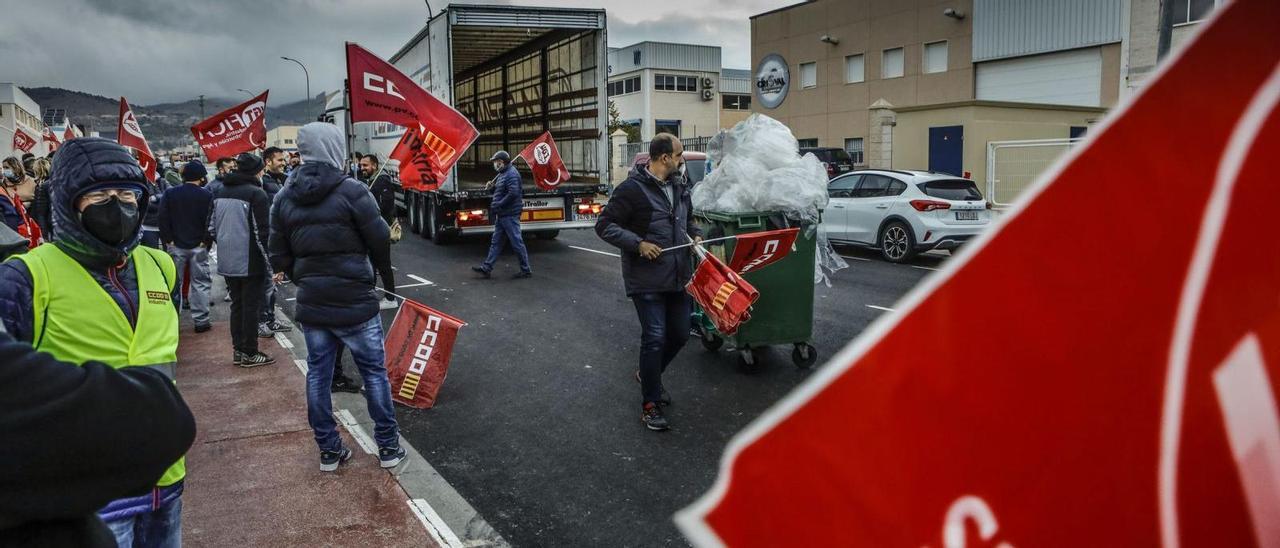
(538, 424)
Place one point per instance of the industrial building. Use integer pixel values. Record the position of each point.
(680, 89)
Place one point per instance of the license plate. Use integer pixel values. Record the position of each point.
(966, 215)
(585, 217)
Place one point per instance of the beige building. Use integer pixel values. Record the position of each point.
(283, 137)
(18, 112)
(930, 84)
(1138, 55)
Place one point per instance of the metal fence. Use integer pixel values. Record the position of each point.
(630, 150)
(1012, 166)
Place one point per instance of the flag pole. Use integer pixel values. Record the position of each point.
(704, 242)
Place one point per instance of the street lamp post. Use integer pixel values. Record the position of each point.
(246, 91)
(304, 73)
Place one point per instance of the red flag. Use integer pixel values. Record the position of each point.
(1129, 395)
(418, 163)
(129, 134)
(418, 347)
(238, 129)
(69, 133)
(22, 141)
(760, 249)
(723, 295)
(381, 93)
(544, 159)
(47, 136)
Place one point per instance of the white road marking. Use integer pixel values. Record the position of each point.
(924, 267)
(282, 341)
(880, 308)
(421, 280)
(362, 439)
(292, 299)
(436, 527)
(850, 257)
(587, 249)
(302, 366)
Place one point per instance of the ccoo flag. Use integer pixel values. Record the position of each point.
(1130, 398)
(129, 135)
(381, 93)
(418, 347)
(22, 141)
(760, 249)
(238, 129)
(544, 159)
(419, 165)
(723, 295)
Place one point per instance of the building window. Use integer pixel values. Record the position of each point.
(808, 75)
(620, 87)
(667, 126)
(669, 82)
(891, 63)
(1190, 11)
(854, 69)
(735, 102)
(288, 141)
(854, 148)
(935, 57)
(808, 143)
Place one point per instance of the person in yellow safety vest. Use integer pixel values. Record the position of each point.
(93, 293)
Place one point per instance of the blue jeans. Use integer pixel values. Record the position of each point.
(159, 528)
(365, 343)
(201, 284)
(507, 229)
(664, 328)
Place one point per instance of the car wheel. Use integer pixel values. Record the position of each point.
(896, 242)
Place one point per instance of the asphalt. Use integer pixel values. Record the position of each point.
(537, 425)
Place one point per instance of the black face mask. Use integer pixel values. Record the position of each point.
(113, 223)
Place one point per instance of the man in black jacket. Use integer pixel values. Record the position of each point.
(83, 436)
(380, 185)
(650, 211)
(240, 225)
(184, 212)
(272, 181)
(328, 237)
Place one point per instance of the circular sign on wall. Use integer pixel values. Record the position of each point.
(773, 79)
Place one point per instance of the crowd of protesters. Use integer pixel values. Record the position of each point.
(99, 261)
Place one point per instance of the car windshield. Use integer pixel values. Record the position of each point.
(695, 170)
(952, 189)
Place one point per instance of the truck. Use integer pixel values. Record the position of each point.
(515, 72)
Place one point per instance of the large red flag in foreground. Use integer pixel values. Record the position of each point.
(22, 141)
(760, 249)
(419, 165)
(724, 296)
(238, 129)
(381, 93)
(1128, 395)
(544, 159)
(418, 347)
(129, 134)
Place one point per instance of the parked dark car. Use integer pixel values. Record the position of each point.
(836, 160)
(695, 164)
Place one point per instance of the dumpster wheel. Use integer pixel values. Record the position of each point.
(711, 341)
(747, 361)
(804, 355)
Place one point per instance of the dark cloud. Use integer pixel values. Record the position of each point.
(156, 51)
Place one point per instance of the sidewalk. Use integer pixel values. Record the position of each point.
(253, 476)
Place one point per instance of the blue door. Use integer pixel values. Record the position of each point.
(946, 150)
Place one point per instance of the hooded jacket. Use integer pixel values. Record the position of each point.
(239, 223)
(327, 235)
(639, 211)
(82, 165)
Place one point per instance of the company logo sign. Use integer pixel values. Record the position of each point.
(542, 153)
(130, 124)
(773, 80)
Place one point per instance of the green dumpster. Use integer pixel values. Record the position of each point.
(784, 312)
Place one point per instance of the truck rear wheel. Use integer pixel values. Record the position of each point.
(424, 204)
(547, 234)
(438, 234)
(411, 201)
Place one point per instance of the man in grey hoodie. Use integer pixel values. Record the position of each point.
(329, 238)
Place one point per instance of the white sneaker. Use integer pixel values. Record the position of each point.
(384, 304)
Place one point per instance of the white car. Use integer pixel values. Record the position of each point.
(902, 213)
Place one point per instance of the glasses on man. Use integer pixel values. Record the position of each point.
(99, 197)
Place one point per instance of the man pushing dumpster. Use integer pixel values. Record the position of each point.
(650, 211)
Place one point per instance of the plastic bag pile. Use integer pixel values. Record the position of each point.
(757, 168)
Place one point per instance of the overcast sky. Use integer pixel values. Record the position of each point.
(154, 51)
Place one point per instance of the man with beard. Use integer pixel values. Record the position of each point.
(94, 294)
(272, 181)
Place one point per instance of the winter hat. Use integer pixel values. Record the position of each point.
(249, 163)
(194, 171)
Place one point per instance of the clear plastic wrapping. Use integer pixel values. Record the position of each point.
(757, 167)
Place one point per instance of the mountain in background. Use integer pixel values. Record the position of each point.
(166, 125)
